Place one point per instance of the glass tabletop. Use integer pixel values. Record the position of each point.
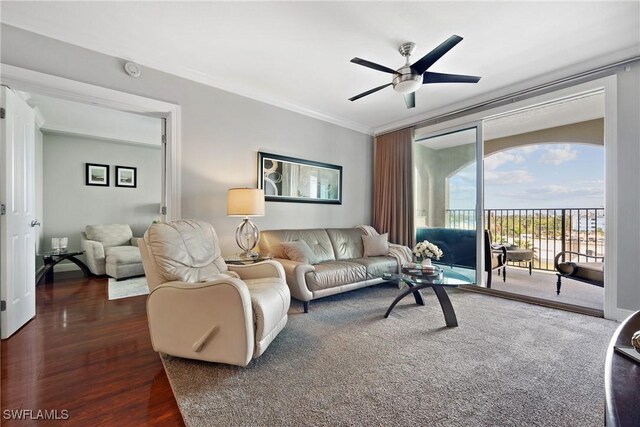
(440, 276)
(58, 252)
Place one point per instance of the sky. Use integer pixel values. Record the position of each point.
(536, 176)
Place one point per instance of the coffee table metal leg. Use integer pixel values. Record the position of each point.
(416, 295)
(447, 309)
(414, 290)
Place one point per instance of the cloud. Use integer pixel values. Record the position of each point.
(558, 155)
(518, 176)
(586, 189)
(495, 160)
(527, 149)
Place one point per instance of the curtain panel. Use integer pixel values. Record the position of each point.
(393, 186)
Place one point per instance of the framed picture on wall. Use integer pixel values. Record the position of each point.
(288, 179)
(126, 176)
(97, 174)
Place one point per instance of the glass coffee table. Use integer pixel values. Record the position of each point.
(417, 280)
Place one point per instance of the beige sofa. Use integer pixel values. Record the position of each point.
(340, 263)
(200, 308)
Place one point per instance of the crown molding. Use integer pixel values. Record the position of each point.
(184, 72)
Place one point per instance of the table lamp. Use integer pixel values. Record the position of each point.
(246, 202)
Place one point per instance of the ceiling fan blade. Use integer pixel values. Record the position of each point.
(410, 99)
(429, 77)
(373, 65)
(430, 58)
(369, 92)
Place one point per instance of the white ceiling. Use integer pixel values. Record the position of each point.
(296, 54)
(69, 117)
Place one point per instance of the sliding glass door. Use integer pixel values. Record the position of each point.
(448, 199)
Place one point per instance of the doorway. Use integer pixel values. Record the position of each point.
(75, 141)
(30, 81)
(607, 86)
(544, 196)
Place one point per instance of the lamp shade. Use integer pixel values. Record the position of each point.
(245, 202)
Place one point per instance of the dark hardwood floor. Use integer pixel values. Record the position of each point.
(87, 355)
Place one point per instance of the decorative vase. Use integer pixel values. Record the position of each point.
(635, 341)
(426, 262)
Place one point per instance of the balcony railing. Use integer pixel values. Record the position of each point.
(546, 231)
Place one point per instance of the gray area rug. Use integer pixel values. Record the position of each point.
(127, 288)
(507, 364)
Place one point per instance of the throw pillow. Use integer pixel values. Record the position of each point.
(376, 245)
(299, 251)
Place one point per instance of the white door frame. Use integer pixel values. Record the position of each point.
(479, 208)
(609, 84)
(59, 87)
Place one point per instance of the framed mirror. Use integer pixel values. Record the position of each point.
(288, 179)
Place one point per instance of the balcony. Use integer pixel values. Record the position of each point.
(547, 232)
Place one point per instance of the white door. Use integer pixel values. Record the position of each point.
(17, 220)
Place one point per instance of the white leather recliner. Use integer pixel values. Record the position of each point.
(200, 308)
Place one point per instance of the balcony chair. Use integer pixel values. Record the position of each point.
(495, 258)
(586, 272)
(111, 249)
(200, 308)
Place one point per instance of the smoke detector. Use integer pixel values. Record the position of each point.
(132, 69)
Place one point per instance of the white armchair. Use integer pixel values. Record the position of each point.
(111, 249)
(199, 308)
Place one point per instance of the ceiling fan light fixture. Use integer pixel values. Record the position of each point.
(407, 81)
(407, 86)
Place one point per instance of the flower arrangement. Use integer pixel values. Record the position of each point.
(426, 249)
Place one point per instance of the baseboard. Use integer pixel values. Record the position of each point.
(533, 300)
(66, 266)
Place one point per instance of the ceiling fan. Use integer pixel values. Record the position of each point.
(409, 78)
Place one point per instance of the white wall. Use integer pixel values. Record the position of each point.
(70, 205)
(221, 135)
(628, 209)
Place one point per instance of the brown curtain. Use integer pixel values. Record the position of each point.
(393, 186)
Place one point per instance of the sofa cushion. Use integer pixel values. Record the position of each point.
(346, 242)
(376, 245)
(109, 234)
(377, 266)
(299, 251)
(316, 239)
(335, 273)
(122, 255)
(186, 251)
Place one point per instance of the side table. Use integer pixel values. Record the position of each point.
(51, 258)
(235, 260)
(517, 254)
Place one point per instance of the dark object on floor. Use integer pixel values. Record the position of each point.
(621, 379)
(587, 272)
